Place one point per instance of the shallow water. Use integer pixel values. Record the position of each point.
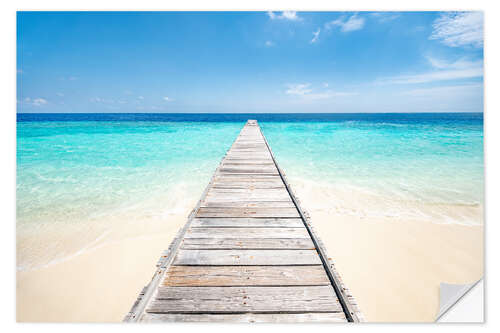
(86, 179)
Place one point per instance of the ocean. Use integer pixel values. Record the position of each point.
(87, 179)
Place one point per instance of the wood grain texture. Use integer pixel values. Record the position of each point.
(230, 276)
(247, 204)
(246, 212)
(332, 317)
(247, 257)
(244, 299)
(248, 243)
(202, 232)
(249, 190)
(253, 185)
(247, 222)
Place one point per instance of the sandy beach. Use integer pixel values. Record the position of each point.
(393, 266)
(99, 285)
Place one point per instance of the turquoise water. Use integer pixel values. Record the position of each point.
(72, 169)
(83, 178)
(436, 163)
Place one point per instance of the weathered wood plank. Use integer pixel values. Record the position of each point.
(249, 161)
(248, 243)
(247, 222)
(248, 204)
(247, 212)
(220, 276)
(245, 180)
(239, 177)
(247, 196)
(332, 317)
(253, 162)
(247, 233)
(247, 257)
(242, 199)
(250, 185)
(262, 193)
(244, 299)
(248, 171)
(281, 192)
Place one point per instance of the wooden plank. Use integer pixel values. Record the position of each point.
(281, 192)
(250, 196)
(220, 276)
(242, 156)
(247, 212)
(332, 317)
(249, 182)
(251, 185)
(247, 222)
(248, 204)
(242, 199)
(251, 162)
(246, 177)
(248, 243)
(244, 299)
(248, 171)
(247, 257)
(247, 233)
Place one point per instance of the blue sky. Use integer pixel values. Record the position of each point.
(250, 62)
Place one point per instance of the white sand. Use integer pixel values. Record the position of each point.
(393, 265)
(99, 285)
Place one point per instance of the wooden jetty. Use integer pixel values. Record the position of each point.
(247, 253)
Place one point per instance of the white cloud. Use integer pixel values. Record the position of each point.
(102, 100)
(286, 15)
(459, 29)
(60, 94)
(444, 70)
(290, 15)
(269, 43)
(167, 99)
(304, 91)
(353, 23)
(457, 64)
(35, 101)
(298, 89)
(140, 97)
(383, 17)
(316, 36)
(39, 101)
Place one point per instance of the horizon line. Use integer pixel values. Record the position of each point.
(236, 113)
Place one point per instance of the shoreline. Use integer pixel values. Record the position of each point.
(398, 256)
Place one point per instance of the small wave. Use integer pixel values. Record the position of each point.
(89, 247)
